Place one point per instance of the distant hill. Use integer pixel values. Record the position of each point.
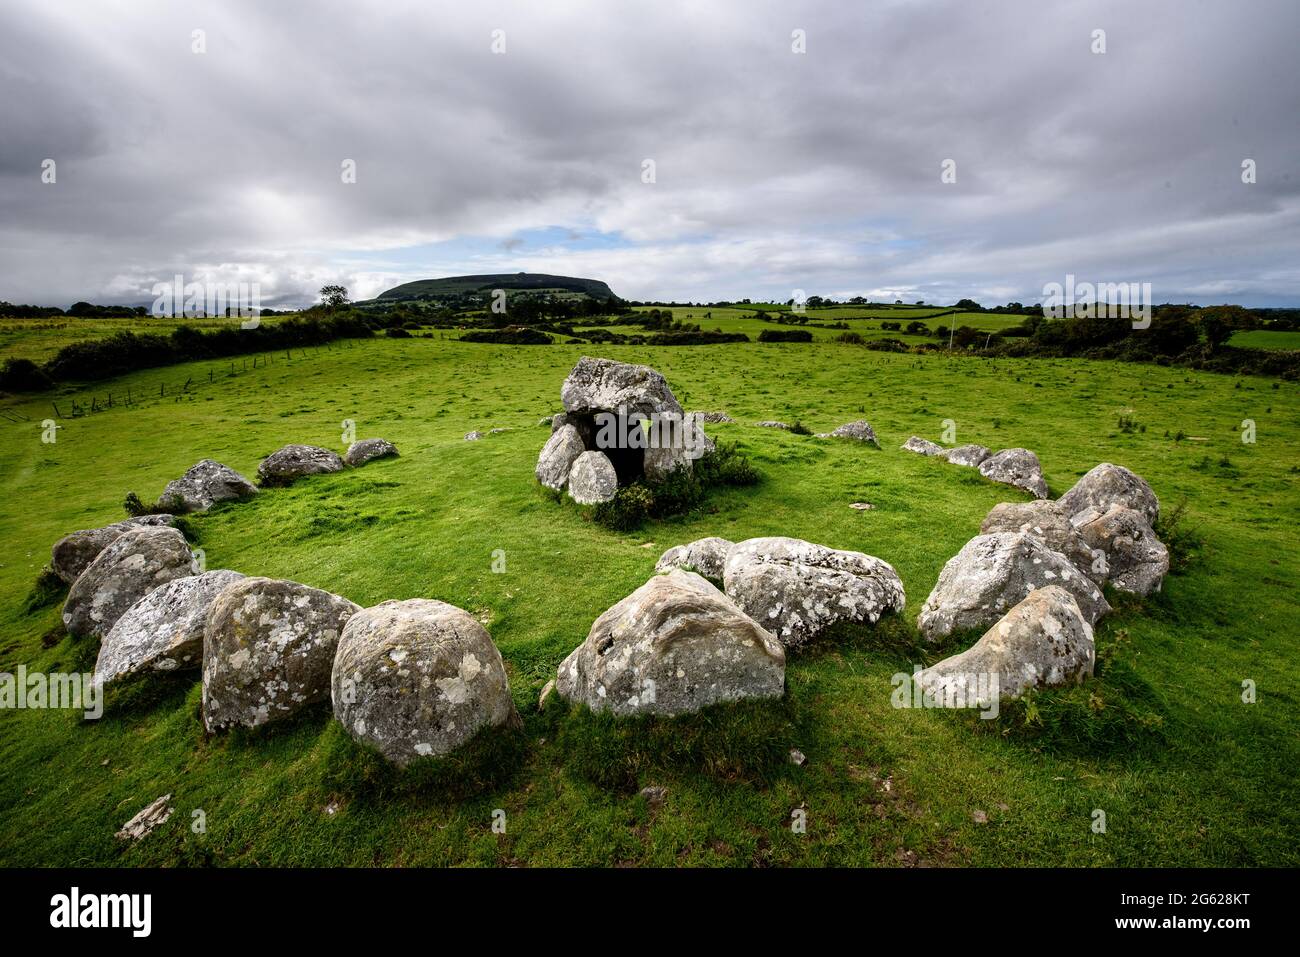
(453, 287)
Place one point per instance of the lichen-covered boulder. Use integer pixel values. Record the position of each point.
(367, 450)
(1045, 641)
(1018, 467)
(268, 649)
(134, 564)
(673, 646)
(922, 446)
(991, 574)
(72, 554)
(583, 423)
(704, 555)
(1043, 519)
(773, 424)
(798, 589)
(474, 436)
(971, 456)
(205, 484)
(592, 479)
(1138, 561)
(605, 385)
(1108, 485)
(859, 431)
(163, 631)
(286, 465)
(418, 678)
(558, 455)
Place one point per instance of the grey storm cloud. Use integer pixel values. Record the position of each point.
(774, 170)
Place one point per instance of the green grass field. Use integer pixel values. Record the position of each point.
(1266, 339)
(1186, 773)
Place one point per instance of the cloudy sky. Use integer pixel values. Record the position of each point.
(773, 170)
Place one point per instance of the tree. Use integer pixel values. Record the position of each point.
(334, 296)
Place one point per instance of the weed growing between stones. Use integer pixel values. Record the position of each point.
(1184, 541)
(677, 494)
(46, 590)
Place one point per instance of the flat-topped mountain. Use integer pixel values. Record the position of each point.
(453, 287)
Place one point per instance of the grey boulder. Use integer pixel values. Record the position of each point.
(557, 457)
(367, 450)
(713, 418)
(707, 556)
(592, 479)
(773, 424)
(922, 446)
(604, 385)
(205, 484)
(859, 431)
(971, 456)
(1138, 561)
(798, 589)
(1044, 520)
(1045, 641)
(991, 574)
(418, 678)
(673, 646)
(134, 564)
(268, 649)
(1018, 467)
(1108, 485)
(72, 554)
(163, 631)
(292, 462)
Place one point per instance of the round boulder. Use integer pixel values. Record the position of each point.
(134, 564)
(367, 450)
(292, 462)
(704, 555)
(1108, 485)
(798, 589)
(592, 479)
(1018, 467)
(268, 649)
(971, 456)
(673, 646)
(163, 631)
(991, 574)
(418, 678)
(1045, 641)
(203, 485)
(72, 554)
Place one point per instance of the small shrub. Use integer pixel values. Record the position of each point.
(46, 590)
(23, 375)
(785, 335)
(800, 429)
